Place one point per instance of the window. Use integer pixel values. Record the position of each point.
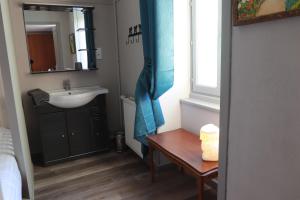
(80, 37)
(206, 47)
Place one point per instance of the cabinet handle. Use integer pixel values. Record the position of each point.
(63, 136)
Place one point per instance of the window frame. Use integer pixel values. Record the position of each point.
(198, 90)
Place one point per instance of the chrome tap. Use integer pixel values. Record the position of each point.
(67, 84)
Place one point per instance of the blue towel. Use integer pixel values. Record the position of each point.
(157, 75)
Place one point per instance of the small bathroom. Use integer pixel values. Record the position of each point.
(79, 66)
(70, 94)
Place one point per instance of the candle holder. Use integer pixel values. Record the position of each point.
(209, 136)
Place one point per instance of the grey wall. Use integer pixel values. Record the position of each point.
(131, 56)
(106, 76)
(263, 157)
(3, 118)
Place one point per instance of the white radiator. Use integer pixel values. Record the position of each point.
(129, 117)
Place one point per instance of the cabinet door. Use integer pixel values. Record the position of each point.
(79, 131)
(54, 136)
(99, 133)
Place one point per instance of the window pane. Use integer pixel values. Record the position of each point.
(80, 36)
(206, 47)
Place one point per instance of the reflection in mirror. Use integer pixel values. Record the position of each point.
(59, 38)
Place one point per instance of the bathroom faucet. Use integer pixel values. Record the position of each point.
(66, 84)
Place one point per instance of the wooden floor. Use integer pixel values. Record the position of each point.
(113, 176)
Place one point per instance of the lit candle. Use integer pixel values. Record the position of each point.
(209, 135)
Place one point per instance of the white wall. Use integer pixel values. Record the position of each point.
(181, 89)
(194, 117)
(263, 157)
(106, 76)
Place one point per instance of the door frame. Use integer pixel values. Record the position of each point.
(225, 97)
(14, 108)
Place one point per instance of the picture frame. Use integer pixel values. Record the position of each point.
(72, 43)
(255, 11)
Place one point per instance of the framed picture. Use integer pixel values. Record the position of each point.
(72, 43)
(254, 11)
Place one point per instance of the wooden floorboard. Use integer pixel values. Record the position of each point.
(113, 176)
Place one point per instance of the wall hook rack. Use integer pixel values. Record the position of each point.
(134, 33)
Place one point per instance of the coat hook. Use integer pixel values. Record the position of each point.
(129, 35)
(132, 40)
(135, 32)
(135, 29)
(139, 32)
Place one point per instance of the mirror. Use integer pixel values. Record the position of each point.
(59, 38)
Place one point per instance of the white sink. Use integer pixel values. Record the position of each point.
(75, 97)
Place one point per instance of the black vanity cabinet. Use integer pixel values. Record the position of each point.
(68, 133)
(78, 131)
(99, 135)
(54, 136)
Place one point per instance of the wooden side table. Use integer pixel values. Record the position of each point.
(184, 149)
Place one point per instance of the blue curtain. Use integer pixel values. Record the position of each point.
(157, 75)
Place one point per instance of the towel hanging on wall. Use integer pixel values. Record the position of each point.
(157, 75)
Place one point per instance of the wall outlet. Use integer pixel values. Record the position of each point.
(99, 55)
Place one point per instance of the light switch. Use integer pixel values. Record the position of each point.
(99, 55)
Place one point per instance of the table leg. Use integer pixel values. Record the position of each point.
(181, 170)
(151, 162)
(200, 185)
